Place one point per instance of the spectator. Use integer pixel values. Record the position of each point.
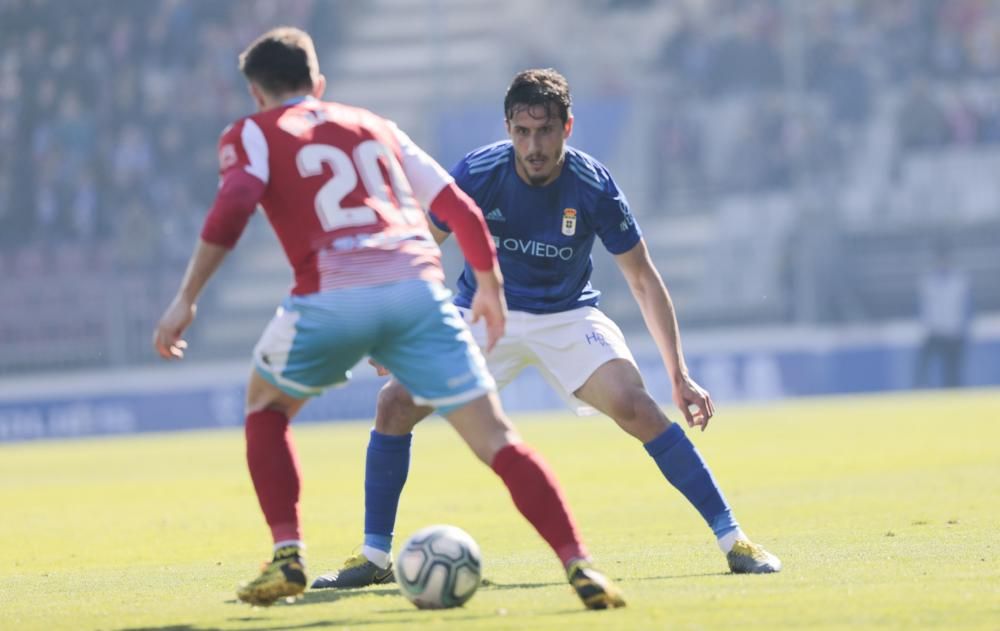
(846, 87)
(922, 123)
(945, 314)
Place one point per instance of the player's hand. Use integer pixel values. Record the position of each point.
(694, 402)
(380, 370)
(167, 336)
(490, 304)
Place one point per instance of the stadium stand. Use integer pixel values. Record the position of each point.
(789, 162)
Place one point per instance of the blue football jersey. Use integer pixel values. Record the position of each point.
(544, 234)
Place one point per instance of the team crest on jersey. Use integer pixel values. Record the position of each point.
(569, 222)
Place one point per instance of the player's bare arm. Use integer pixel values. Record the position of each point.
(489, 303)
(465, 219)
(658, 312)
(235, 201)
(180, 313)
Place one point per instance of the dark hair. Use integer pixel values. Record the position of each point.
(281, 60)
(540, 86)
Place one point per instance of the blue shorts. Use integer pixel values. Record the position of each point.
(410, 327)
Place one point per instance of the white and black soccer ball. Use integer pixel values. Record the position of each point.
(439, 567)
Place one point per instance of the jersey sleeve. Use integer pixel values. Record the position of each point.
(426, 176)
(243, 176)
(613, 220)
(460, 175)
(435, 190)
(463, 215)
(243, 146)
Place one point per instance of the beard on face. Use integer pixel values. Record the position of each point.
(535, 178)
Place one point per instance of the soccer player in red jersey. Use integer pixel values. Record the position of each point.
(345, 190)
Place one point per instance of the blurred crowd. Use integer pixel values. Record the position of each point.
(111, 107)
(110, 110)
(761, 92)
(109, 113)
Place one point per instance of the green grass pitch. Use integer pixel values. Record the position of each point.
(884, 509)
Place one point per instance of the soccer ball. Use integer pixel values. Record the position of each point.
(439, 567)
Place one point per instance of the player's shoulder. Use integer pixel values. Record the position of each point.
(352, 113)
(231, 145)
(589, 170)
(233, 129)
(351, 116)
(250, 125)
(361, 122)
(486, 158)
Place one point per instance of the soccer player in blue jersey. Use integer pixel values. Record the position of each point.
(545, 204)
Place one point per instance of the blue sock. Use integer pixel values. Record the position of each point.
(683, 467)
(386, 467)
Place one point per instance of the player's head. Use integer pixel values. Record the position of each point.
(281, 64)
(539, 120)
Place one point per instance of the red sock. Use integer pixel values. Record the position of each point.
(536, 493)
(274, 469)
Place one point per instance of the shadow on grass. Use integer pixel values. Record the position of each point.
(675, 577)
(254, 624)
(488, 584)
(491, 585)
(314, 597)
(323, 596)
(317, 596)
(280, 627)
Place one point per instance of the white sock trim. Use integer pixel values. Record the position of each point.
(727, 540)
(289, 542)
(376, 556)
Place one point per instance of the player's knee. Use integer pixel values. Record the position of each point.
(263, 395)
(484, 427)
(638, 414)
(628, 406)
(395, 412)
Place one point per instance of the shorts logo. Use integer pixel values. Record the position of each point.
(596, 338)
(569, 222)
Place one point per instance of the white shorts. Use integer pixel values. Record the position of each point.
(566, 347)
